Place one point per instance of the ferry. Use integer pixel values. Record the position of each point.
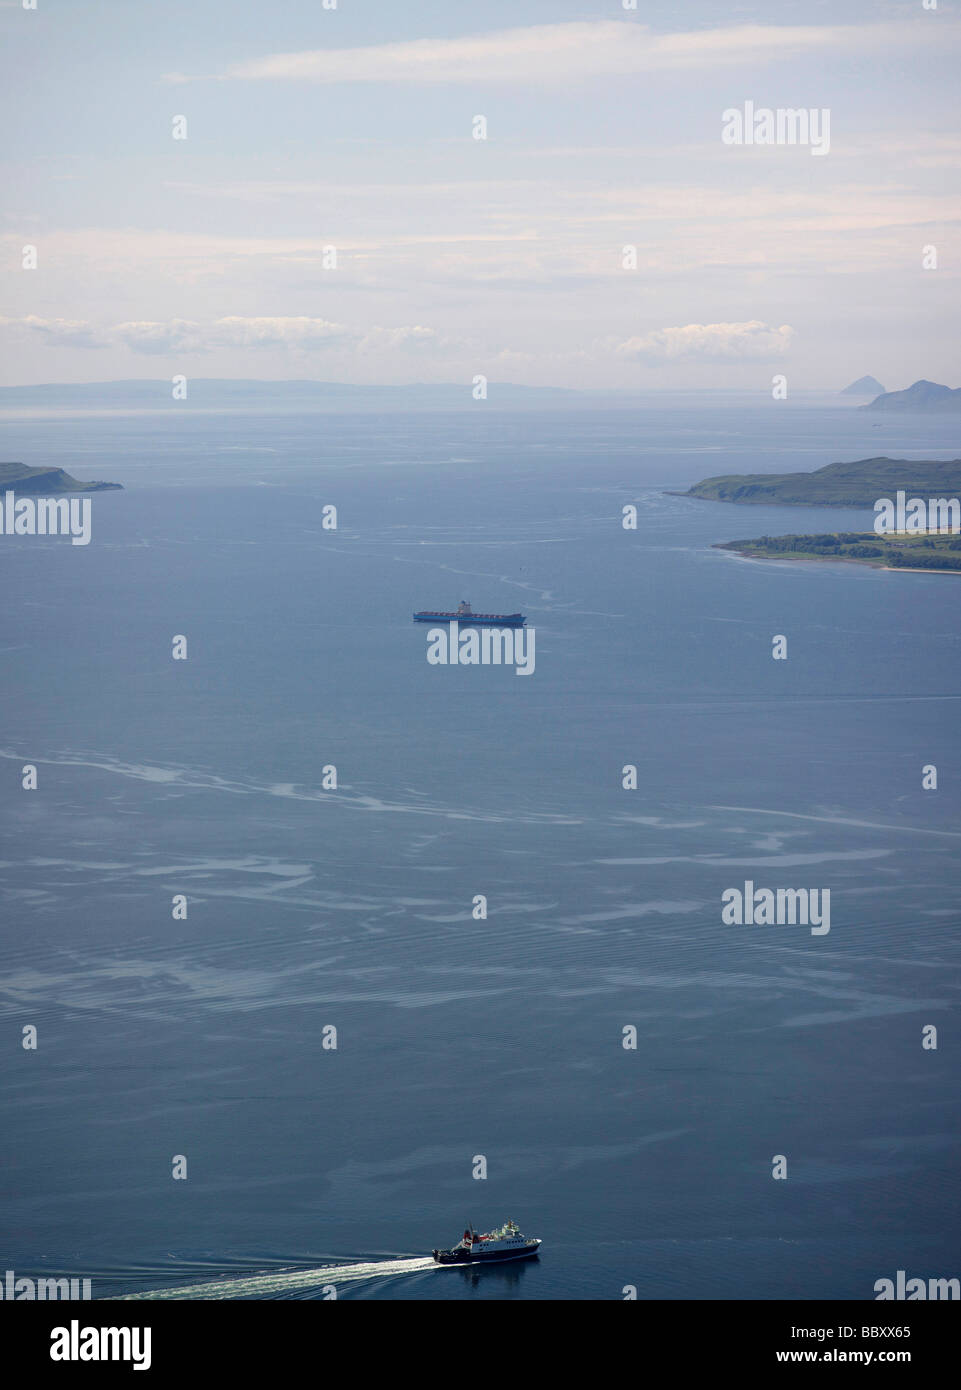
(467, 617)
(505, 1244)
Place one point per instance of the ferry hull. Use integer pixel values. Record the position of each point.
(485, 1257)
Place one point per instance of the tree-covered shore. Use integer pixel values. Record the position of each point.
(888, 552)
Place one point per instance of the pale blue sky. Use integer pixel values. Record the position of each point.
(458, 256)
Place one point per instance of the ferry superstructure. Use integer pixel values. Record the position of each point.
(505, 1244)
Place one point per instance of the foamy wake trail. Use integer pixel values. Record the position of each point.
(265, 1285)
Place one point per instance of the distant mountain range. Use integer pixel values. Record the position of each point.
(212, 393)
(236, 395)
(864, 386)
(923, 395)
(857, 484)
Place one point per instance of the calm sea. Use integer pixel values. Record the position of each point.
(461, 1038)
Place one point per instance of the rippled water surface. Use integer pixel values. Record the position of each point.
(311, 1168)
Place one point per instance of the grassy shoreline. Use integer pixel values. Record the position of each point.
(938, 554)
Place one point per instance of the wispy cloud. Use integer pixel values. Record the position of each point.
(710, 342)
(568, 51)
(75, 333)
(165, 337)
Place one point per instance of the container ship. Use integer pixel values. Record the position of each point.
(505, 1244)
(466, 615)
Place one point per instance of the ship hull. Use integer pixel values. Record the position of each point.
(485, 1257)
(473, 619)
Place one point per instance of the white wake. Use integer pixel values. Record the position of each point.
(266, 1285)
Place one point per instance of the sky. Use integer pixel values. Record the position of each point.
(351, 124)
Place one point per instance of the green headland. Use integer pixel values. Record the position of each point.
(45, 482)
(858, 484)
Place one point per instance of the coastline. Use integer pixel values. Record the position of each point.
(766, 501)
(831, 560)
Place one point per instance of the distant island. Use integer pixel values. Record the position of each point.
(857, 484)
(864, 547)
(923, 395)
(241, 394)
(46, 482)
(864, 386)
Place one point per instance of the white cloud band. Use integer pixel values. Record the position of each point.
(161, 338)
(579, 49)
(710, 342)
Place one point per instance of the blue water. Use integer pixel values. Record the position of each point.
(353, 908)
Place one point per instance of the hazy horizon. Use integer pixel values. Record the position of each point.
(330, 382)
